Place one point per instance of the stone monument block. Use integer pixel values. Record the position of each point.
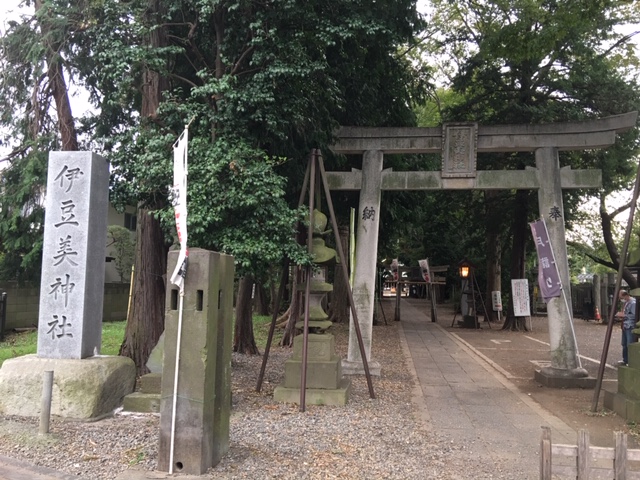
(73, 258)
(86, 389)
(203, 396)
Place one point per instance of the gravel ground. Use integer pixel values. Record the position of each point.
(367, 439)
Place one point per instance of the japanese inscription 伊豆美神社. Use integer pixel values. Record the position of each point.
(62, 285)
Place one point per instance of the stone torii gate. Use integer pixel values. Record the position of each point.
(459, 143)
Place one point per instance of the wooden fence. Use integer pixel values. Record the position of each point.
(584, 462)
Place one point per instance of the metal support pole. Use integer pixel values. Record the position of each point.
(276, 309)
(285, 269)
(305, 331)
(3, 315)
(612, 312)
(175, 383)
(45, 404)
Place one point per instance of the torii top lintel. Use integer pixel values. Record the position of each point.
(490, 138)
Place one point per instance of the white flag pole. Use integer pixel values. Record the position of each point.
(178, 277)
(175, 383)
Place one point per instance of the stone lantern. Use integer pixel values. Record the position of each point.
(325, 385)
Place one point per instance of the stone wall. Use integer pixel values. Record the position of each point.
(23, 302)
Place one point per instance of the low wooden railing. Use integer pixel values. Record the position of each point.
(587, 462)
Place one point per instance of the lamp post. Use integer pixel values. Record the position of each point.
(467, 308)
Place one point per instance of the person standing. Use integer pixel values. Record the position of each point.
(628, 316)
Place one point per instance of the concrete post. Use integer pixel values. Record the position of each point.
(365, 268)
(564, 353)
(203, 402)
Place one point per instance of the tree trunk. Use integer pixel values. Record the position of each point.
(606, 220)
(519, 229)
(494, 251)
(339, 306)
(58, 85)
(294, 310)
(244, 341)
(261, 300)
(146, 318)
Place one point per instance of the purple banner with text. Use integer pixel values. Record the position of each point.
(548, 276)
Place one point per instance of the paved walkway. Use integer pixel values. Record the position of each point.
(467, 401)
(12, 469)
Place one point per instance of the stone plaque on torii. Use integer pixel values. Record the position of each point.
(459, 143)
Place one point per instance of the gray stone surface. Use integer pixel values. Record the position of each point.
(73, 258)
(14, 469)
(142, 402)
(366, 248)
(315, 396)
(154, 363)
(565, 380)
(82, 389)
(324, 382)
(491, 138)
(203, 395)
(459, 150)
(564, 351)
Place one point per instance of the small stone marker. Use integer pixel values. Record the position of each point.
(73, 259)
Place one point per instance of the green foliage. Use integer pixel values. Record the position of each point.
(18, 344)
(261, 325)
(259, 102)
(524, 61)
(25, 343)
(112, 335)
(265, 83)
(122, 242)
(22, 217)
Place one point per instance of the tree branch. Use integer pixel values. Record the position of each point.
(583, 249)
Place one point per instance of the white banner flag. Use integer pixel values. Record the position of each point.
(179, 193)
(426, 271)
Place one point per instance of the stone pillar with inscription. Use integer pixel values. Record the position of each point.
(365, 269)
(565, 368)
(86, 385)
(73, 257)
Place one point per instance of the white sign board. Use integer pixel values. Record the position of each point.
(520, 295)
(496, 301)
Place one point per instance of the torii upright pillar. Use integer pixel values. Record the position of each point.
(365, 271)
(566, 369)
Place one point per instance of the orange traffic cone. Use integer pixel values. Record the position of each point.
(597, 315)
